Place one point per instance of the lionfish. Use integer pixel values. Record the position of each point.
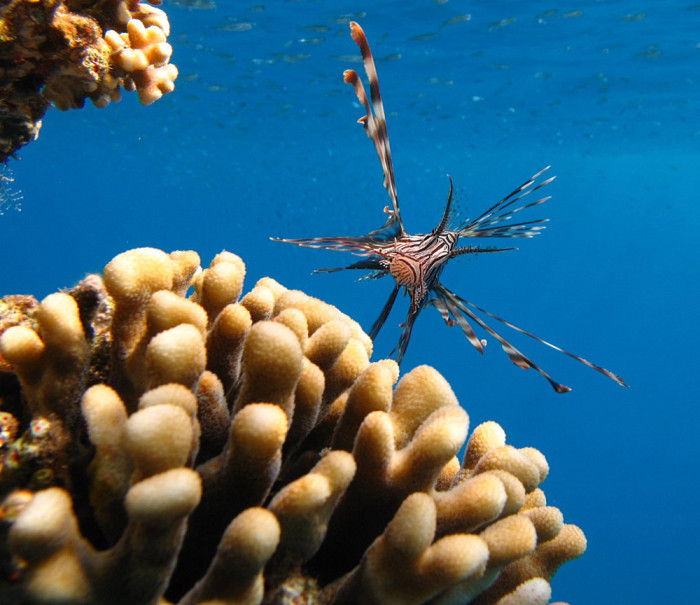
(417, 261)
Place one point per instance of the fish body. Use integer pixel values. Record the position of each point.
(416, 262)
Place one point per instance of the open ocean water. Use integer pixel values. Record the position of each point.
(259, 139)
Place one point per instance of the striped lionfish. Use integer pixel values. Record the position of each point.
(417, 261)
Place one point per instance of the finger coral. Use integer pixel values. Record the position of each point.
(218, 447)
(61, 52)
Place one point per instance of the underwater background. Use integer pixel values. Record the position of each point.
(259, 139)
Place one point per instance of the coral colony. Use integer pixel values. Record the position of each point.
(243, 449)
(63, 52)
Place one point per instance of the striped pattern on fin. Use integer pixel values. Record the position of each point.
(447, 314)
(379, 322)
(404, 339)
(585, 362)
(374, 123)
(362, 245)
(489, 223)
(457, 306)
(447, 214)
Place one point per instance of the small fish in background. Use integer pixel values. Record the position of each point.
(417, 261)
(502, 23)
(457, 19)
(195, 4)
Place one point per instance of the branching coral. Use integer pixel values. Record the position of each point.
(64, 51)
(243, 449)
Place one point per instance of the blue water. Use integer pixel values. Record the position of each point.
(259, 139)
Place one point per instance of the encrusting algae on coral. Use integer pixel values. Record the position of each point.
(62, 52)
(223, 448)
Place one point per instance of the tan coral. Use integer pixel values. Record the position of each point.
(143, 53)
(112, 466)
(56, 53)
(225, 342)
(260, 302)
(308, 398)
(304, 507)
(539, 565)
(212, 414)
(273, 364)
(371, 392)
(243, 449)
(39, 357)
(236, 573)
(405, 567)
(175, 355)
(131, 279)
(220, 284)
(63, 566)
